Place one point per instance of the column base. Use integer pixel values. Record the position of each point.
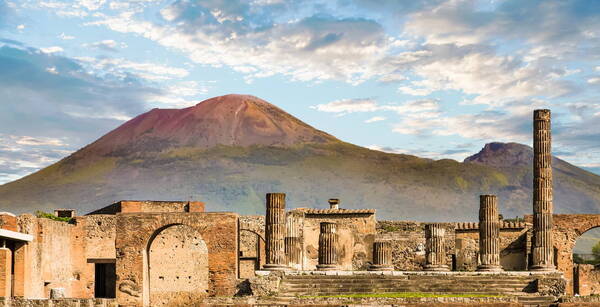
(380, 267)
(489, 268)
(542, 268)
(437, 268)
(327, 267)
(275, 267)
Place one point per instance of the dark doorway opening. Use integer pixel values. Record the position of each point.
(105, 280)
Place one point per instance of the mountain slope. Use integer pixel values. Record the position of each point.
(229, 151)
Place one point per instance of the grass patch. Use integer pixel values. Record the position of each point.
(401, 295)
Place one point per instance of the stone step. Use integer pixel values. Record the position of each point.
(541, 301)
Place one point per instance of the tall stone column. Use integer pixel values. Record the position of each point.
(435, 248)
(275, 232)
(542, 247)
(328, 239)
(293, 243)
(489, 234)
(382, 257)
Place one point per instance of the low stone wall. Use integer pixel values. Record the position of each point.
(408, 243)
(66, 302)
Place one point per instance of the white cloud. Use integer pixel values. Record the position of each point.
(348, 106)
(594, 80)
(375, 119)
(53, 49)
(21, 27)
(52, 70)
(146, 70)
(91, 5)
(63, 36)
(107, 45)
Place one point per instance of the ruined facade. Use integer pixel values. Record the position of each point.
(154, 253)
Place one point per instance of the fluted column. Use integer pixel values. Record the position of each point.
(293, 243)
(328, 239)
(275, 232)
(543, 249)
(435, 249)
(382, 257)
(489, 234)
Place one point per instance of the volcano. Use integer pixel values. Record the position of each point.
(229, 151)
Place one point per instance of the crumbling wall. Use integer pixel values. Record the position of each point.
(408, 243)
(135, 231)
(54, 259)
(252, 244)
(178, 267)
(513, 248)
(356, 234)
(587, 279)
(100, 233)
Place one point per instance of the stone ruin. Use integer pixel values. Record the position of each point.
(154, 253)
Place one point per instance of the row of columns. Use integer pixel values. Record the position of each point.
(283, 251)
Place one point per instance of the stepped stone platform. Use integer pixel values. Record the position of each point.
(523, 288)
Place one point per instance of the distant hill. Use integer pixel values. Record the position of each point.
(229, 151)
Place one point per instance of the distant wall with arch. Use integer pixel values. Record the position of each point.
(567, 229)
(175, 257)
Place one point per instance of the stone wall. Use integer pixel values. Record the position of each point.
(513, 247)
(587, 279)
(252, 244)
(136, 231)
(408, 243)
(356, 234)
(54, 259)
(67, 302)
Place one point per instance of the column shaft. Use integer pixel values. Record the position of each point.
(542, 249)
(328, 240)
(382, 257)
(293, 243)
(489, 234)
(435, 249)
(275, 232)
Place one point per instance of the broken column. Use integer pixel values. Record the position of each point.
(542, 248)
(328, 239)
(382, 257)
(293, 243)
(435, 249)
(489, 234)
(275, 232)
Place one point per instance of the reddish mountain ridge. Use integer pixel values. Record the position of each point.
(229, 151)
(230, 120)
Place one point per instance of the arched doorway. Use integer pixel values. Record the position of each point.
(586, 263)
(177, 259)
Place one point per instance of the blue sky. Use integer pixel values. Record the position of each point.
(437, 79)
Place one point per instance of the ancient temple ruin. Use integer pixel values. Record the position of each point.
(156, 253)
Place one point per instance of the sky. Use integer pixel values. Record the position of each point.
(437, 79)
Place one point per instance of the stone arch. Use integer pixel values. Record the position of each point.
(567, 229)
(175, 266)
(251, 251)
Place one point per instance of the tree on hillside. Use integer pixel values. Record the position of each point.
(596, 251)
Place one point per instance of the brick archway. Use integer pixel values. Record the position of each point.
(567, 229)
(135, 231)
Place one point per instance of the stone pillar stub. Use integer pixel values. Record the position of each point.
(542, 243)
(435, 248)
(382, 257)
(489, 234)
(328, 240)
(5, 272)
(293, 243)
(275, 229)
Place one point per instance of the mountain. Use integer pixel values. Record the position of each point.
(229, 151)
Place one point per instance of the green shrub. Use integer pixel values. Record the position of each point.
(46, 215)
